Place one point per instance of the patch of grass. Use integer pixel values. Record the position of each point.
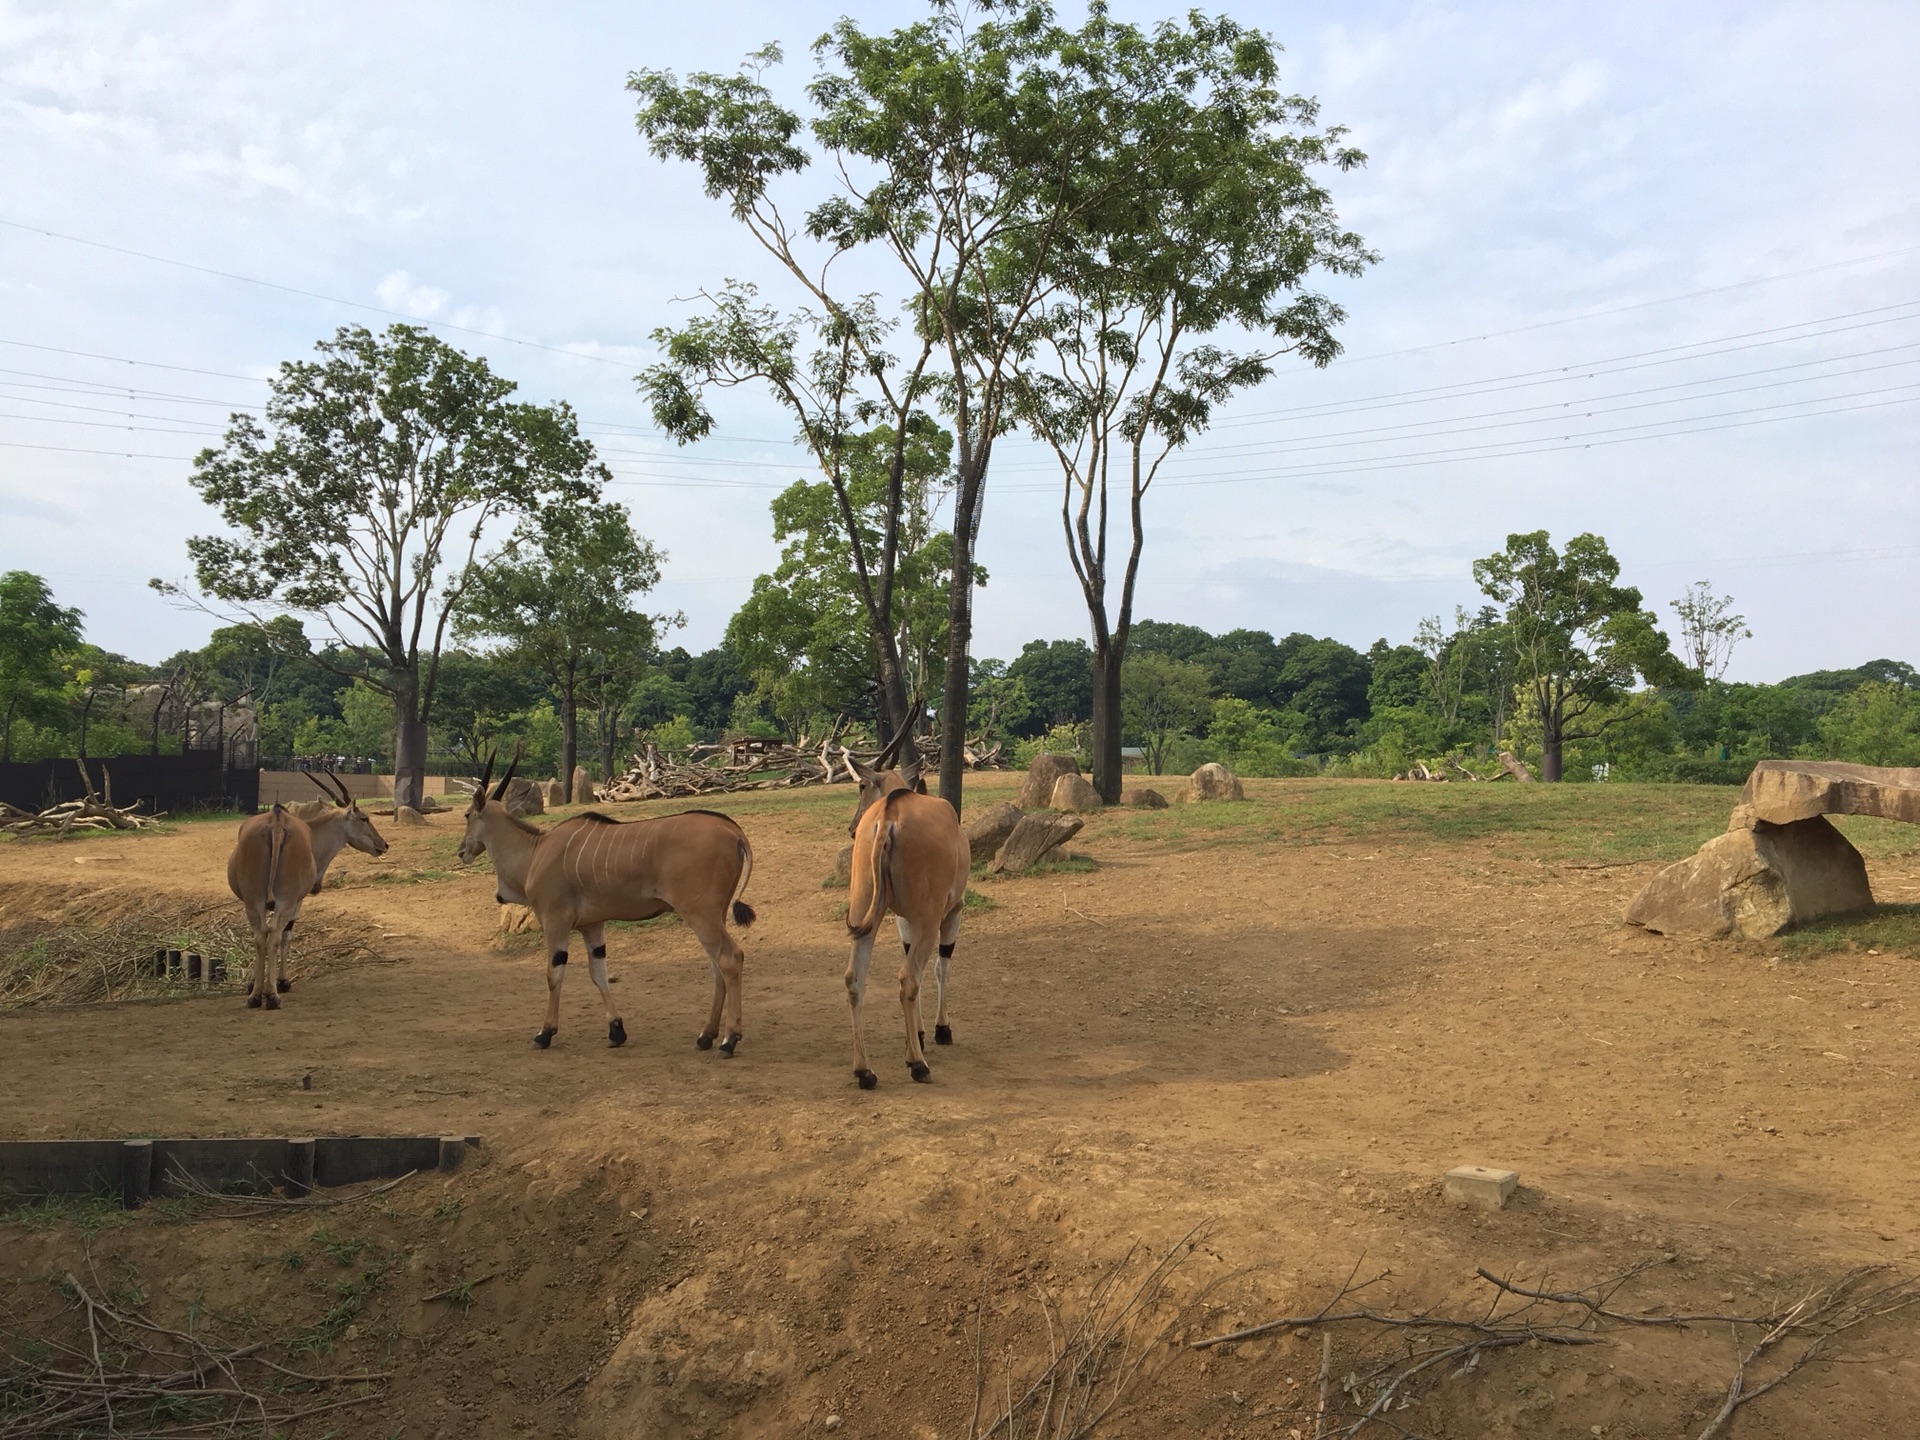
(342, 1250)
(1052, 863)
(1606, 822)
(448, 1208)
(176, 1209)
(1891, 929)
(352, 879)
(294, 1259)
(976, 901)
(658, 922)
(89, 1214)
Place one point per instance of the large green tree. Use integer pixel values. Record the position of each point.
(1204, 219)
(960, 149)
(364, 495)
(559, 597)
(34, 633)
(1164, 699)
(804, 633)
(1580, 641)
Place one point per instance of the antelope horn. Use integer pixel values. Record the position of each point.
(486, 775)
(340, 788)
(321, 785)
(892, 747)
(501, 788)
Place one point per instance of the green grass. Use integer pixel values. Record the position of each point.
(1595, 823)
(89, 1214)
(1893, 929)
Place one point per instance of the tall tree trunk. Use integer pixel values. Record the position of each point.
(569, 736)
(1106, 716)
(1550, 745)
(409, 740)
(953, 701)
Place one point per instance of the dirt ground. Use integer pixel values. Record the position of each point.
(1282, 1034)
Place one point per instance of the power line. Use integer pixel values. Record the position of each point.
(307, 294)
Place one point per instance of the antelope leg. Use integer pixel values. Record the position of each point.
(596, 938)
(910, 1002)
(556, 943)
(857, 965)
(949, 933)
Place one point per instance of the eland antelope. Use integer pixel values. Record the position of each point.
(277, 861)
(910, 858)
(591, 869)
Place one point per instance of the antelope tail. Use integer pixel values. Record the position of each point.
(276, 843)
(742, 912)
(877, 899)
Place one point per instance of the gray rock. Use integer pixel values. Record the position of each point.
(988, 831)
(1753, 883)
(1042, 771)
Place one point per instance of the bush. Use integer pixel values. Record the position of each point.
(1074, 740)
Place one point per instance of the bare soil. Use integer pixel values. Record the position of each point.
(1278, 1025)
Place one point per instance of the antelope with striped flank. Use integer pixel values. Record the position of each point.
(277, 861)
(909, 858)
(591, 869)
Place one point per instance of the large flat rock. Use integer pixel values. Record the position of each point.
(1754, 882)
(1783, 791)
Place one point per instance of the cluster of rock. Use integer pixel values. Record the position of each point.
(1014, 835)
(1780, 861)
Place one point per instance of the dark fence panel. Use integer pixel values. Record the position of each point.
(196, 780)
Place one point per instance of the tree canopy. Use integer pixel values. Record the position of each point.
(363, 496)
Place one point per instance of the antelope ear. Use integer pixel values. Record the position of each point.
(866, 775)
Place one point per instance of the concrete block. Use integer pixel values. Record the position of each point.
(1482, 1185)
(136, 1173)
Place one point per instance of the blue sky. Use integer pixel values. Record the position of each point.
(1649, 270)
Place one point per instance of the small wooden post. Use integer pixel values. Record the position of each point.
(300, 1167)
(136, 1173)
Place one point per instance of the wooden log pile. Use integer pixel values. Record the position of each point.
(728, 766)
(93, 811)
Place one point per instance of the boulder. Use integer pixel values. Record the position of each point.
(1141, 798)
(988, 831)
(516, 920)
(407, 815)
(1754, 882)
(843, 865)
(553, 793)
(1032, 838)
(1042, 771)
(523, 797)
(1782, 791)
(582, 786)
(1075, 794)
(1212, 782)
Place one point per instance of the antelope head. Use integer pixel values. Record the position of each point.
(881, 780)
(356, 826)
(473, 843)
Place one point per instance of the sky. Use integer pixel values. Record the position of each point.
(1647, 270)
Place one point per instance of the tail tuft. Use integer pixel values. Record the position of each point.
(743, 913)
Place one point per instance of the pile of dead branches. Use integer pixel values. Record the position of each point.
(94, 811)
(1450, 768)
(1095, 1359)
(118, 1372)
(1402, 1356)
(740, 764)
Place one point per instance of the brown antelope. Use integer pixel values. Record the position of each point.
(590, 869)
(277, 861)
(910, 858)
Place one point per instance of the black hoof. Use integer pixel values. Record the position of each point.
(704, 1039)
(544, 1038)
(617, 1034)
(273, 1001)
(868, 1080)
(726, 1045)
(253, 1000)
(283, 985)
(919, 1070)
(943, 1035)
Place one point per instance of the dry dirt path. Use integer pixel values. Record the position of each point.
(1290, 1041)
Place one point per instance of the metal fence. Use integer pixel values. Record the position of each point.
(170, 784)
